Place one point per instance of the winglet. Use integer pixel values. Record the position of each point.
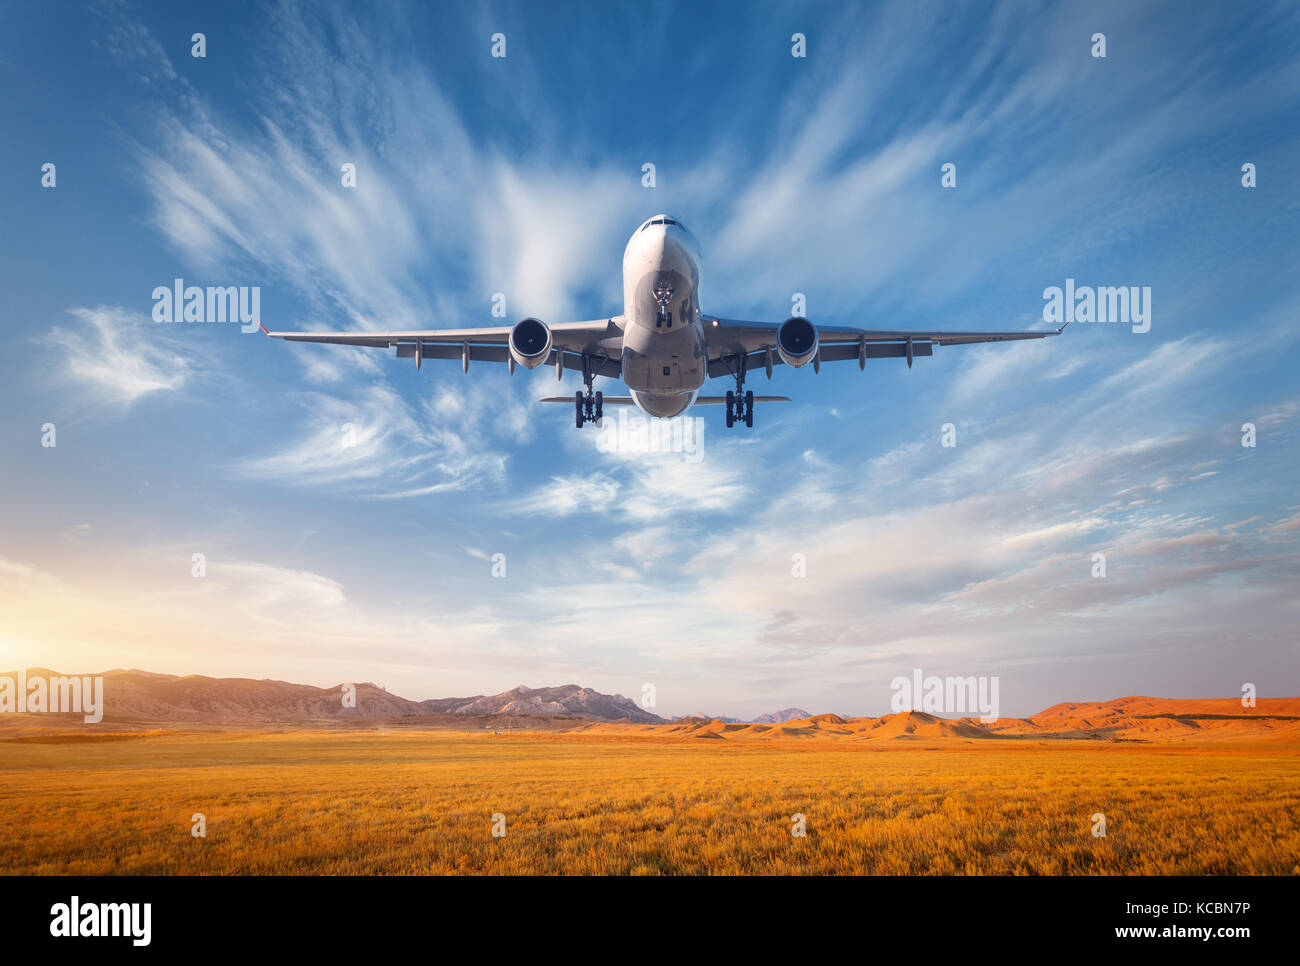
(1062, 328)
(262, 327)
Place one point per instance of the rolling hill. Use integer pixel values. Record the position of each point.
(1125, 719)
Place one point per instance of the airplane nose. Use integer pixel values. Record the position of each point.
(654, 243)
(674, 244)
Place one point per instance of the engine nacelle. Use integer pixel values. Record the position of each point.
(797, 341)
(530, 343)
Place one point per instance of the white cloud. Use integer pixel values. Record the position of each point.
(118, 356)
(373, 444)
(566, 495)
(17, 577)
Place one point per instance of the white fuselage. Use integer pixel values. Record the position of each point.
(664, 357)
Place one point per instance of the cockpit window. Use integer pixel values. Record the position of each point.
(658, 221)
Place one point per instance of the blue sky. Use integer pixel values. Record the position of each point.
(523, 176)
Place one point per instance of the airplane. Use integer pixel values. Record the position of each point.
(663, 346)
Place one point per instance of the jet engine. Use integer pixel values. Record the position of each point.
(530, 343)
(797, 342)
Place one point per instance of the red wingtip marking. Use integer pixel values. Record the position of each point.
(264, 329)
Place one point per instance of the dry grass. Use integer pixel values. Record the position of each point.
(364, 802)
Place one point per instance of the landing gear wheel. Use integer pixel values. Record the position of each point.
(577, 404)
(749, 409)
(731, 409)
(600, 406)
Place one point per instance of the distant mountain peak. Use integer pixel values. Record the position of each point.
(780, 717)
(701, 716)
(567, 699)
(776, 717)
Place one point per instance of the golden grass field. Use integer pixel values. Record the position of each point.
(342, 802)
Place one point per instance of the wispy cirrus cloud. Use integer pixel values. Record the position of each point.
(372, 443)
(118, 356)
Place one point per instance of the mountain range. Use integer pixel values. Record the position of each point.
(145, 696)
(133, 695)
(134, 699)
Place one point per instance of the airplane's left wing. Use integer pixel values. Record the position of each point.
(733, 342)
(597, 344)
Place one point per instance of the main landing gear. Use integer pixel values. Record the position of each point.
(740, 408)
(589, 408)
(740, 404)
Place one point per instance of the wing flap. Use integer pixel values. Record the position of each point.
(570, 336)
(731, 338)
(757, 361)
(835, 334)
(600, 365)
(477, 353)
(599, 342)
(873, 350)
